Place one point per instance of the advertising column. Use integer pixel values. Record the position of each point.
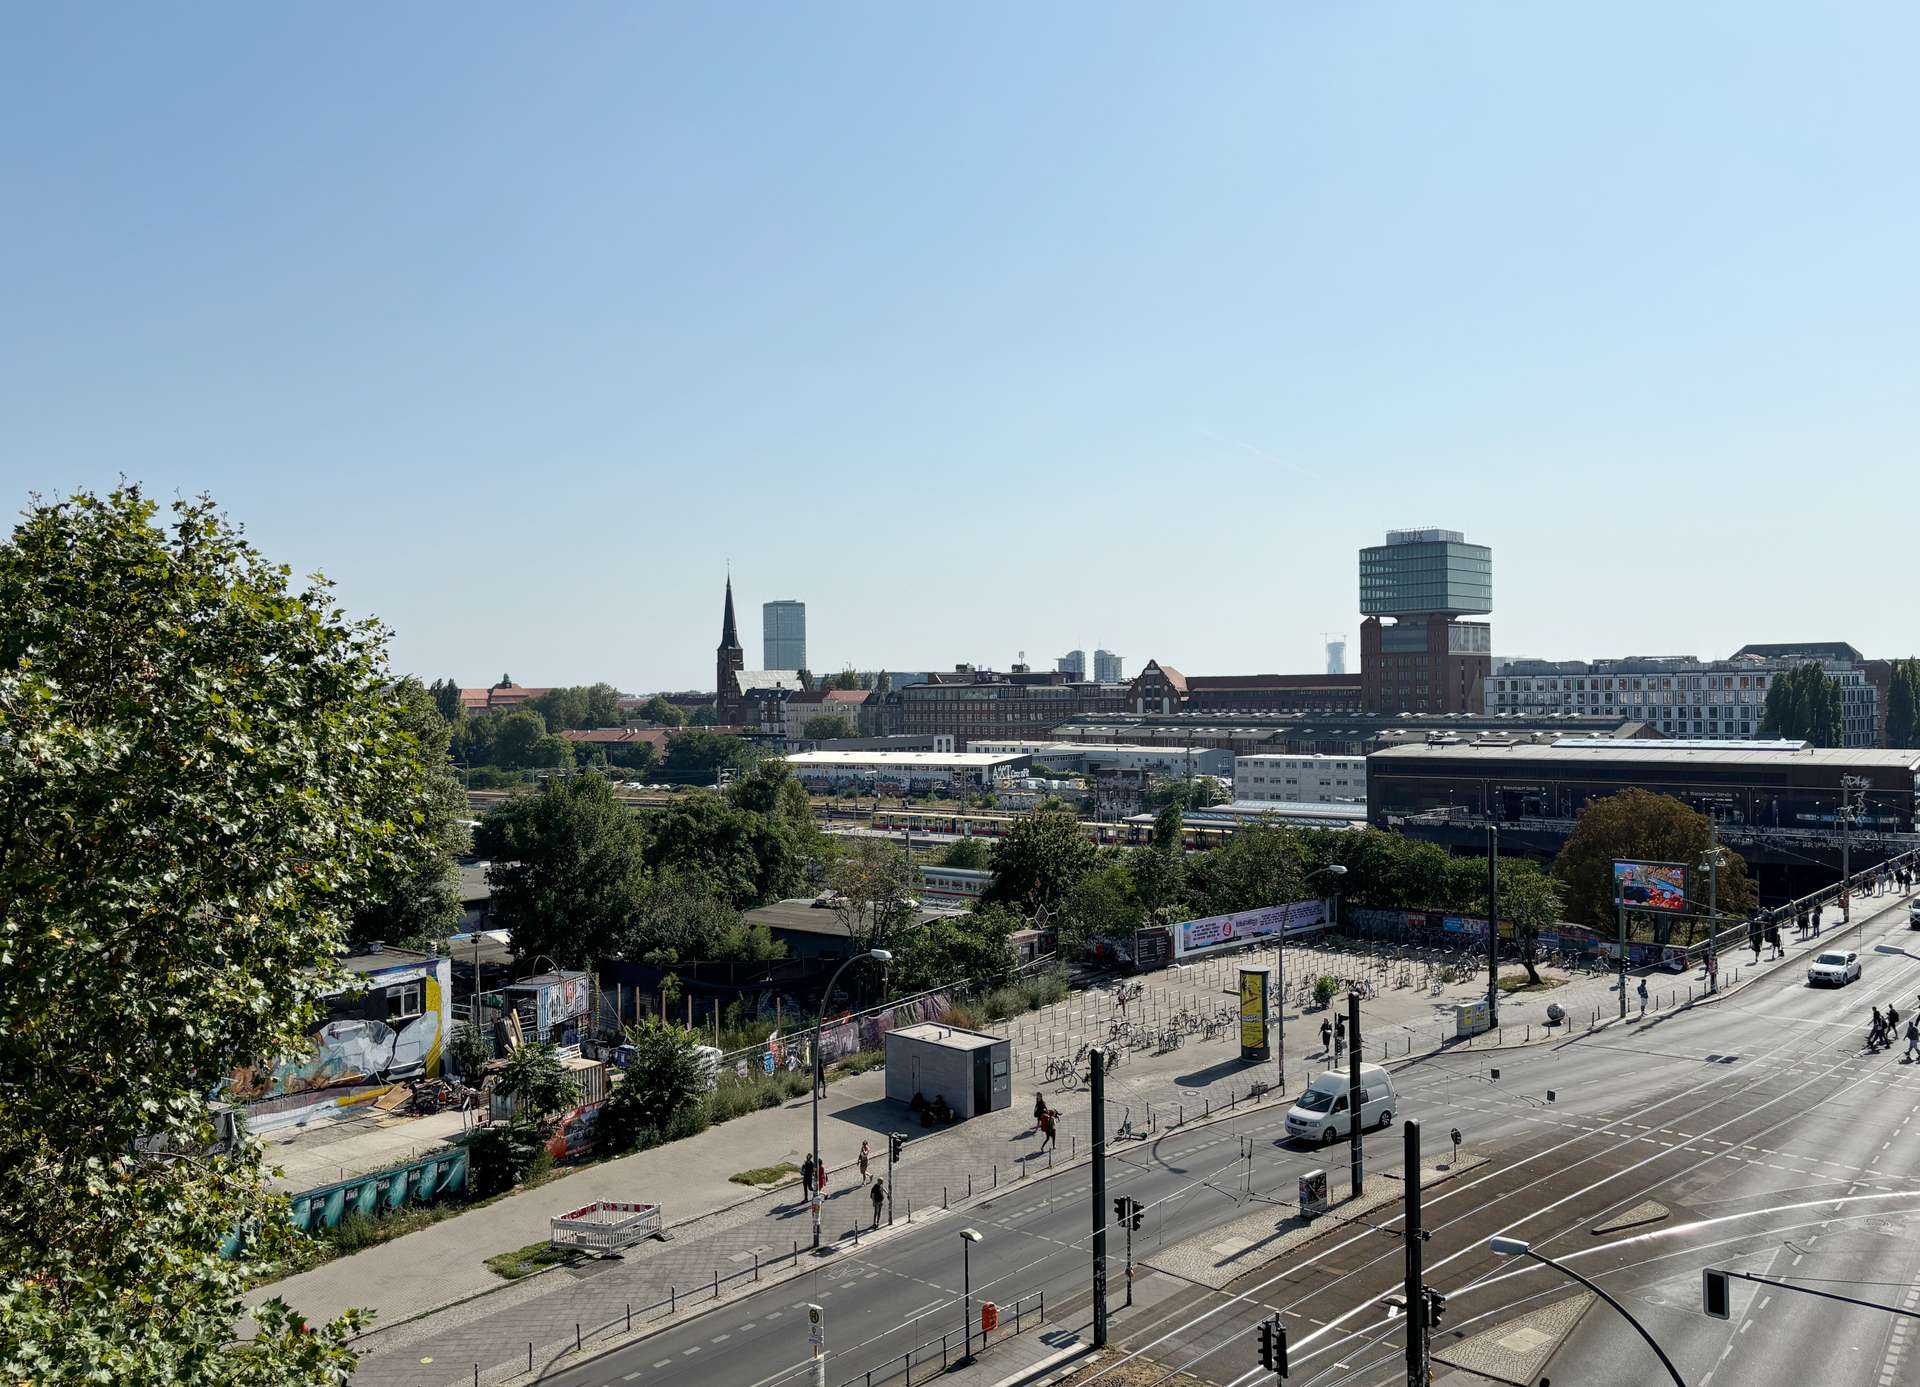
(1256, 1002)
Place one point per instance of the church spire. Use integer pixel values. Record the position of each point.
(729, 633)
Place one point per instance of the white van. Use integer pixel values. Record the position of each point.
(1322, 1113)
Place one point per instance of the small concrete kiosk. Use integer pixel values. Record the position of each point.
(970, 1069)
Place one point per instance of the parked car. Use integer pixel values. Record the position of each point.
(1836, 968)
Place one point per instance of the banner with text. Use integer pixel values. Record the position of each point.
(1248, 926)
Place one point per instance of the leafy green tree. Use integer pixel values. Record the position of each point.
(1529, 902)
(1635, 825)
(697, 753)
(1804, 703)
(658, 709)
(1199, 792)
(970, 853)
(569, 869)
(446, 699)
(664, 1079)
(204, 773)
(469, 1049)
(1169, 829)
(516, 733)
(1903, 705)
(805, 676)
(706, 715)
(538, 1084)
(744, 858)
(1159, 880)
(1100, 906)
(1261, 865)
(973, 945)
(845, 679)
(873, 881)
(499, 1156)
(1040, 861)
(551, 752)
(827, 727)
(419, 893)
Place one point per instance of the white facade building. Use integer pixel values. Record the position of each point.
(1678, 695)
(1074, 662)
(1306, 779)
(1106, 667)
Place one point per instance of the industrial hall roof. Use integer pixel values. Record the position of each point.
(1658, 753)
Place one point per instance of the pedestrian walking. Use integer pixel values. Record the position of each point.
(1876, 1032)
(806, 1175)
(879, 1198)
(1803, 925)
(1049, 1129)
(820, 1178)
(866, 1154)
(1326, 1037)
(1913, 1039)
(1641, 992)
(1893, 1020)
(1818, 910)
(1039, 1110)
(1773, 940)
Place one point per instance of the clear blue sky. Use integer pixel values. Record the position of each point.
(980, 327)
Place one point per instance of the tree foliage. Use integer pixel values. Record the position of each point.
(1804, 703)
(827, 727)
(1040, 861)
(418, 894)
(538, 1083)
(971, 945)
(1635, 825)
(698, 754)
(743, 857)
(204, 773)
(1903, 705)
(658, 709)
(446, 701)
(663, 1079)
(585, 705)
(970, 853)
(873, 880)
(569, 869)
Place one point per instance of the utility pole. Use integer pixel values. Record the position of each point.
(1622, 902)
(1493, 923)
(1848, 785)
(1417, 1366)
(1713, 906)
(1098, 1116)
(1356, 1164)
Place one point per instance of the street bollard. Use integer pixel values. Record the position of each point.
(1182, 1120)
(576, 1336)
(1206, 1105)
(969, 1184)
(673, 1299)
(943, 1196)
(756, 1266)
(529, 1357)
(716, 1283)
(629, 1316)
(996, 1175)
(476, 1375)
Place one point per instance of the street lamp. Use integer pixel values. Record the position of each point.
(1513, 1247)
(968, 1237)
(1334, 869)
(819, 1076)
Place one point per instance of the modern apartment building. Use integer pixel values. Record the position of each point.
(1106, 667)
(1301, 779)
(1074, 662)
(1679, 695)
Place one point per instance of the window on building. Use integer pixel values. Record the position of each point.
(406, 1001)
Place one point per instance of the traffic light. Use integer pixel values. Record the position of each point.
(1273, 1346)
(1120, 1209)
(1139, 1209)
(1714, 1293)
(1128, 1211)
(1436, 1307)
(898, 1146)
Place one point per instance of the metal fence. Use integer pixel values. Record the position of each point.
(1033, 1305)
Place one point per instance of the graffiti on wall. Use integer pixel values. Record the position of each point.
(349, 1051)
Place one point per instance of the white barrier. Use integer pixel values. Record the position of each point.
(607, 1225)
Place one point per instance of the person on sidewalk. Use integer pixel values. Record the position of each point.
(1773, 940)
(820, 1177)
(1049, 1129)
(866, 1155)
(806, 1175)
(1893, 1022)
(1817, 912)
(1877, 1031)
(1039, 1111)
(1641, 993)
(1326, 1036)
(879, 1198)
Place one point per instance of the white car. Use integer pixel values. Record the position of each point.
(1836, 968)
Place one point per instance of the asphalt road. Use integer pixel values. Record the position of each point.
(1774, 1142)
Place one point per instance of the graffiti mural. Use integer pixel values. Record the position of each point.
(353, 1049)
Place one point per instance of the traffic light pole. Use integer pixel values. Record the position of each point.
(1098, 1117)
(1493, 925)
(1417, 1366)
(893, 1144)
(1357, 1165)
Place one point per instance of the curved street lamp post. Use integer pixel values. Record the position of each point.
(819, 1073)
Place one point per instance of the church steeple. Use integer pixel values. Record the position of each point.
(729, 633)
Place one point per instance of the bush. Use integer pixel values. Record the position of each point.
(1324, 989)
(664, 1080)
(500, 1157)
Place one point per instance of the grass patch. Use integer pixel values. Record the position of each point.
(1517, 982)
(531, 1258)
(857, 1063)
(766, 1174)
